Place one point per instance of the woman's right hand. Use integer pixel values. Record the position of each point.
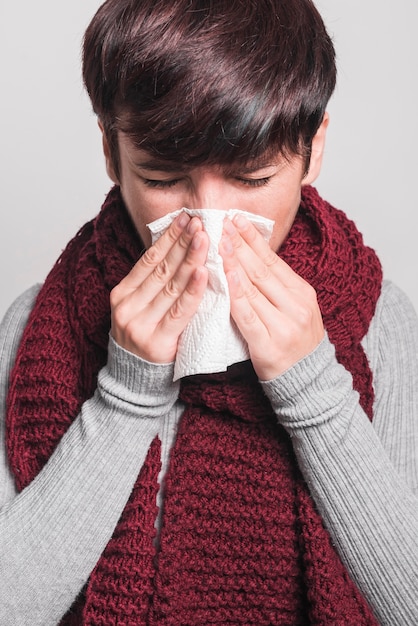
(154, 303)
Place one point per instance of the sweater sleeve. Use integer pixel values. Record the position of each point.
(364, 476)
(53, 532)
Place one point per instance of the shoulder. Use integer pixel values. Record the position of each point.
(24, 301)
(14, 322)
(394, 301)
(11, 330)
(391, 346)
(394, 327)
(21, 308)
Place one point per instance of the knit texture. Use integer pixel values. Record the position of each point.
(241, 541)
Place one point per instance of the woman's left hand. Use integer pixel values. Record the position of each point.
(274, 308)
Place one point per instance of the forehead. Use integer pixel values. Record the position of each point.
(148, 161)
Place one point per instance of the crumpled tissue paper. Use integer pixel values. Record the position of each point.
(211, 341)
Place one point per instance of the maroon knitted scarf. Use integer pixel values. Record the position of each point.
(241, 541)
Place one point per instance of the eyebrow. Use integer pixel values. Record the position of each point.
(157, 165)
(249, 168)
(160, 166)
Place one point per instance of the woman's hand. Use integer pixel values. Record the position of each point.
(275, 310)
(153, 304)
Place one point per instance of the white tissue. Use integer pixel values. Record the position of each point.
(211, 341)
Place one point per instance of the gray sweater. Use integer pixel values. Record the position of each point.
(363, 476)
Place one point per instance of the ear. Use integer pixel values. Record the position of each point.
(108, 158)
(317, 152)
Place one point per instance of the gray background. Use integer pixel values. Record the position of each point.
(52, 173)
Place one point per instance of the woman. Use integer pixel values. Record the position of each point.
(281, 483)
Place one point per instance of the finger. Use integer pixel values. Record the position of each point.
(252, 308)
(155, 254)
(158, 343)
(275, 340)
(243, 311)
(267, 295)
(135, 293)
(254, 274)
(154, 297)
(187, 249)
(159, 263)
(185, 306)
(174, 288)
(255, 241)
(151, 328)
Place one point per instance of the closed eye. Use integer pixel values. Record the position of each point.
(160, 184)
(254, 182)
(166, 184)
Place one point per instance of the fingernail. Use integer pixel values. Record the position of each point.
(183, 219)
(234, 278)
(229, 227)
(240, 221)
(196, 241)
(227, 246)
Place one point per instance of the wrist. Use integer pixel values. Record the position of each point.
(312, 391)
(142, 386)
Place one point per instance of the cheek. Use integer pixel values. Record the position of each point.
(139, 212)
(278, 236)
(284, 218)
(142, 230)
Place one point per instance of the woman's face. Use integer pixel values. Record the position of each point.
(271, 188)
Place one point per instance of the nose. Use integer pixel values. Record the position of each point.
(208, 189)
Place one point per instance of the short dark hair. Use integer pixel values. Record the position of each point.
(209, 80)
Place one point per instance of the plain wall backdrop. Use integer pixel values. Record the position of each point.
(52, 169)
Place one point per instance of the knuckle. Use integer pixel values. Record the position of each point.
(151, 256)
(171, 289)
(251, 292)
(176, 312)
(310, 297)
(262, 273)
(249, 318)
(304, 317)
(136, 336)
(237, 241)
(251, 234)
(121, 314)
(270, 258)
(131, 330)
(162, 271)
(306, 288)
(170, 236)
(184, 241)
(115, 296)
